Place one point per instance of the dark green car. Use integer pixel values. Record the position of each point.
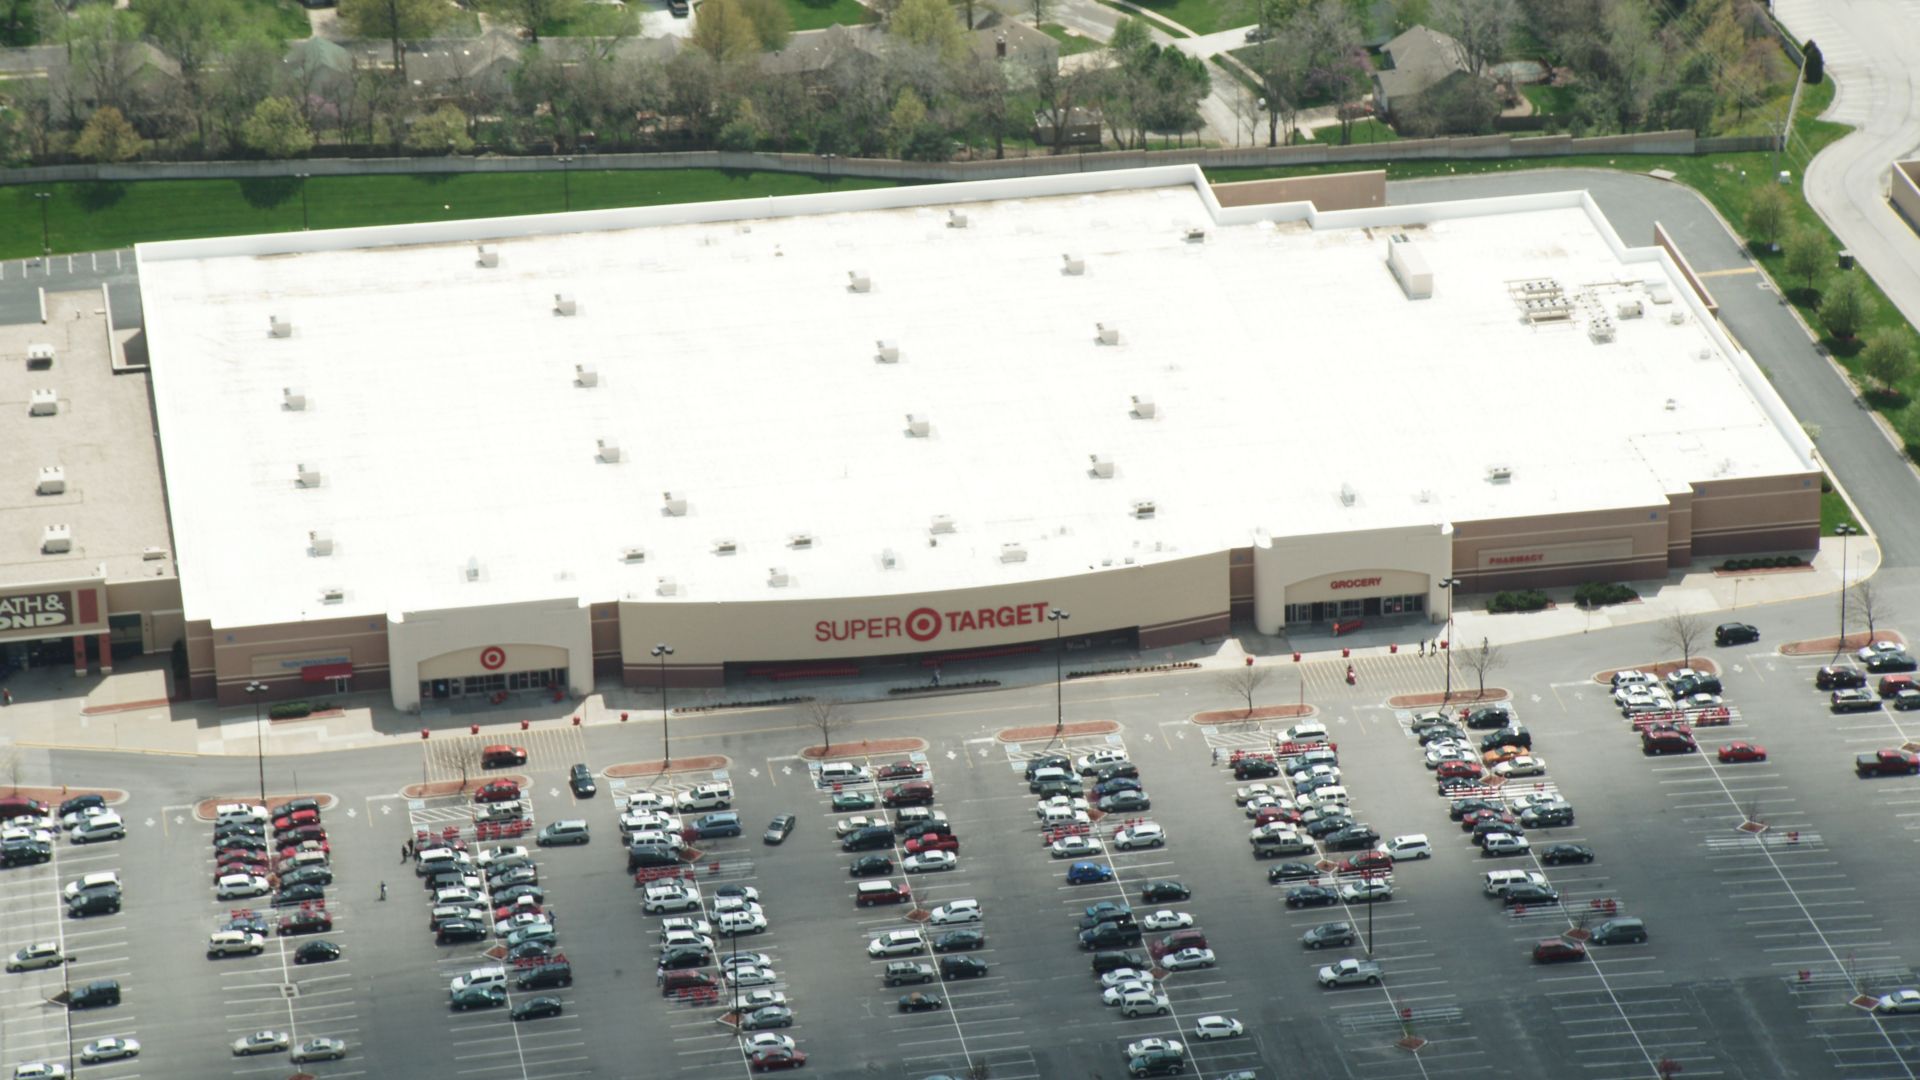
(479, 997)
(849, 801)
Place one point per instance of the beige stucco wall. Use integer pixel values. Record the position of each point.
(1905, 190)
(448, 643)
(157, 599)
(1302, 569)
(1334, 191)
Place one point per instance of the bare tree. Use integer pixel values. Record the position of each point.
(980, 1070)
(460, 756)
(1866, 607)
(1481, 27)
(1244, 680)
(1683, 632)
(1481, 659)
(826, 717)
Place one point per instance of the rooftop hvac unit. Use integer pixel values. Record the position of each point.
(279, 326)
(57, 540)
(1348, 496)
(1659, 292)
(1499, 474)
(725, 546)
(332, 594)
(53, 480)
(320, 541)
(777, 577)
(306, 476)
(1074, 265)
(489, 256)
(1672, 404)
(1143, 407)
(941, 523)
(39, 356)
(472, 570)
(1108, 335)
(889, 351)
(1677, 317)
(1013, 552)
(152, 554)
(607, 451)
(889, 560)
(676, 503)
(293, 400)
(666, 586)
(800, 541)
(586, 375)
(1600, 330)
(1144, 508)
(1409, 269)
(1102, 466)
(918, 425)
(858, 281)
(1196, 235)
(956, 220)
(1628, 309)
(44, 403)
(633, 555)
(565, 304)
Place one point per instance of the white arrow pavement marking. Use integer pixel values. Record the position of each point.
(385, 809)
(951, 754)
(178, 820)
(1737, 669)
(1536, 699)
(754, 772)
(788, 769)
(553, 792)
(983, 751)
(149, 823)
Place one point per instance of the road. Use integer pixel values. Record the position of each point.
(1869, 47)
(21, 280)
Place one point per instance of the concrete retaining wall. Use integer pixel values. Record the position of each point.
(1904, 190)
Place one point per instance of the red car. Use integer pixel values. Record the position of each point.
(901, 770)
(1743, 751)
(1475, 817)
(497, 791)
(305, 922)
(914, 793)
(286, 822)
(1472, 770)
(774, 1058)
(239, 866)
(1369, 861)
(932, 842)
(1268, 814)
(493, 757)
(306, 845)
(1558, 951)
(1179, 939)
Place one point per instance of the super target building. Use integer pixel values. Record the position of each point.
(817, 433)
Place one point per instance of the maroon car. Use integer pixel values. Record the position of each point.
(497, 791)
(914, 793)
(1558, 951)
(901, 770)
(305, 921)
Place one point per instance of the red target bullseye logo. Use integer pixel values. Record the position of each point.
(493, 657)
(923, 624)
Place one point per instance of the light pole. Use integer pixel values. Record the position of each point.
(660, 653)
(1446, 646)
(46, 234)
(303, 178)
(254, 690)
(566, 185)
(1057, 617)
(1843, 531)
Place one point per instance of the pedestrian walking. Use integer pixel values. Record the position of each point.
(403, 854)
(6, 696)
(383, 890)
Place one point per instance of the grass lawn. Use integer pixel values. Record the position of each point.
(1199, 16)
(1833, 511)
(820, 14)
(1361, 132)
(97, 216)
(1070, 43)
(283, 18)
(1555, 101)
(595, 20)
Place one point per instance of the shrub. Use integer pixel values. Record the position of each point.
(1601, 593)
(288, 710)
(1518, 600)
(1794, 560)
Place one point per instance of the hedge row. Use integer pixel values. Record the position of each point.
(1182, 666)
(293, 710)
(934, 688)
(1522, 600)
(1763, 562)
(1601, 593)
(757, 703)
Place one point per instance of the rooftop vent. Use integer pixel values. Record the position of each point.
(1196, 235)
(725, 545)
(53, 480)
(320, 542)
(666, 586)
(565, 304)
(306, 476)
(39, 356)
(918, 425)
(1144, 508)
(607, 451)
(956, 220)
(633, 555)
(1144, 408)
(858, 281)
(1499, 474)
(279, 326)
(1013, 552)
(44, 403)
(941, 523)
(1629, 309)
(1600, 329)
(1410, 269)
(56, 540)
(1108, 334)
(889, 560)
(332, 594)
(1348, 496)
(1659, 293)
(889, 351)
(472, 570)
(676, 503)
(1672, 404)
(1102, 466)
(1677, 317)
(586, 375)
(293, 400)
(800, 541)
(1073, 265)
(489, 256)
(777, 577)
(152, 554)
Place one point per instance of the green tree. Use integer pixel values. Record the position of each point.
(724, 31)
(742, 132)
(396, 21)
(1766, 214)
(1846, 307)
(534, 16)
(276, 129)
(772, 22)
(443, 131)
(108, 137)
(103, 43)
(193, 34)
(24, 22)
(1805, 252)
(1887, 360)
(1482, 27)
(909, 112)
(929, 24)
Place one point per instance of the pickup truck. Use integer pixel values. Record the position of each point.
(1886, 763)
(1350, 973)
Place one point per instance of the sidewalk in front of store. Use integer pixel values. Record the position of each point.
(127, 711)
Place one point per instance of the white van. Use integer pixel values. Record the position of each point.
(665, 896)
(843, 772)
(1307, 731)
(1499, 881)
(480, 976)
(1410, 846)
(1334, 795)
(92, 881)
(1058, 816)
(229, 813)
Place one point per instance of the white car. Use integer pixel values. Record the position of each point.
(1135, 1049)
(1868, 652)
(897, 943)
(1366, 892)
(1187, 960)
(735, 923)
(40, 1070)
(684, 922)
(107, 826)
(1122, 976)
(1524, 765)
(261, 1042)
(227, 813)
(1700, 701)
(745, 959)
(1262, 802)
(1242, 796)
(1440, 753)
(1074, 847)
(1097, 760)
(1167, 920)
(69, 821)
(1114, 995)
(1640, 701)
(241, 886)
(320, 1049)
(724, 904)
(45, 954)
(651, 821)
(648, 800)
(1060, 804)
(91, 881)
(857, 822)
(706, 797)
(1217, 1027)
(1410, 846)
(518, 922)
(1629, 677)
(956, 911)
(20, 833)
(1900, 1001)
(685, 939)
(766, 1040)
(489, 856)
(1311, 772)
(109, 1049)
(750, 976)
(927, 862)
(760, 999)
(1144, 835)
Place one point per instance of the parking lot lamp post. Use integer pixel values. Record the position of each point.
(660, 653)
(1844, 531)
(1057, 617)
(254, 690)
(1370, 905)
(1446, 646)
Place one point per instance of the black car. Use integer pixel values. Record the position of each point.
(919, 1002)
(1881, 663)
(1441, 731)
(1255, 769)
(316, 952)
(1104, 912)
(1462, 807)
(1119, 770)
(241, 842)
(1327, 826)
(962, 967)
(94, 902)
(25, 853)
(910, 829)
(965, 940)
(1529, 893)
(82, 802)
(537, 1008)
(536, 949)
(307, 875)
(871, 866)
(1164, 891)
(1556, 854)
(685, 957)
(299, 894)
(546, 976)
(1115, 787)
(580, 778)
(1548, 815)
(1126, 802)
(778, 829)
(94, 995)
(1111, 935)
(646, 857)
(1292, 871)
(1048, 761)
(1450, 784)
(1351, 838)
(509, 895)
(249, 923)
(454, 930)
(1839, 678)
(1052, 786)
(868, 839)
(1698, 684)
(1735, 633)
(1326, 934)
(1311, 896)
(1494, 716)
(1508, 736)
(1487, 828)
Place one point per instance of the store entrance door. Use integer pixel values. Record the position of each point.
(497, 684)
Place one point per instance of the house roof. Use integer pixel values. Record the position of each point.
(1421, 57)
